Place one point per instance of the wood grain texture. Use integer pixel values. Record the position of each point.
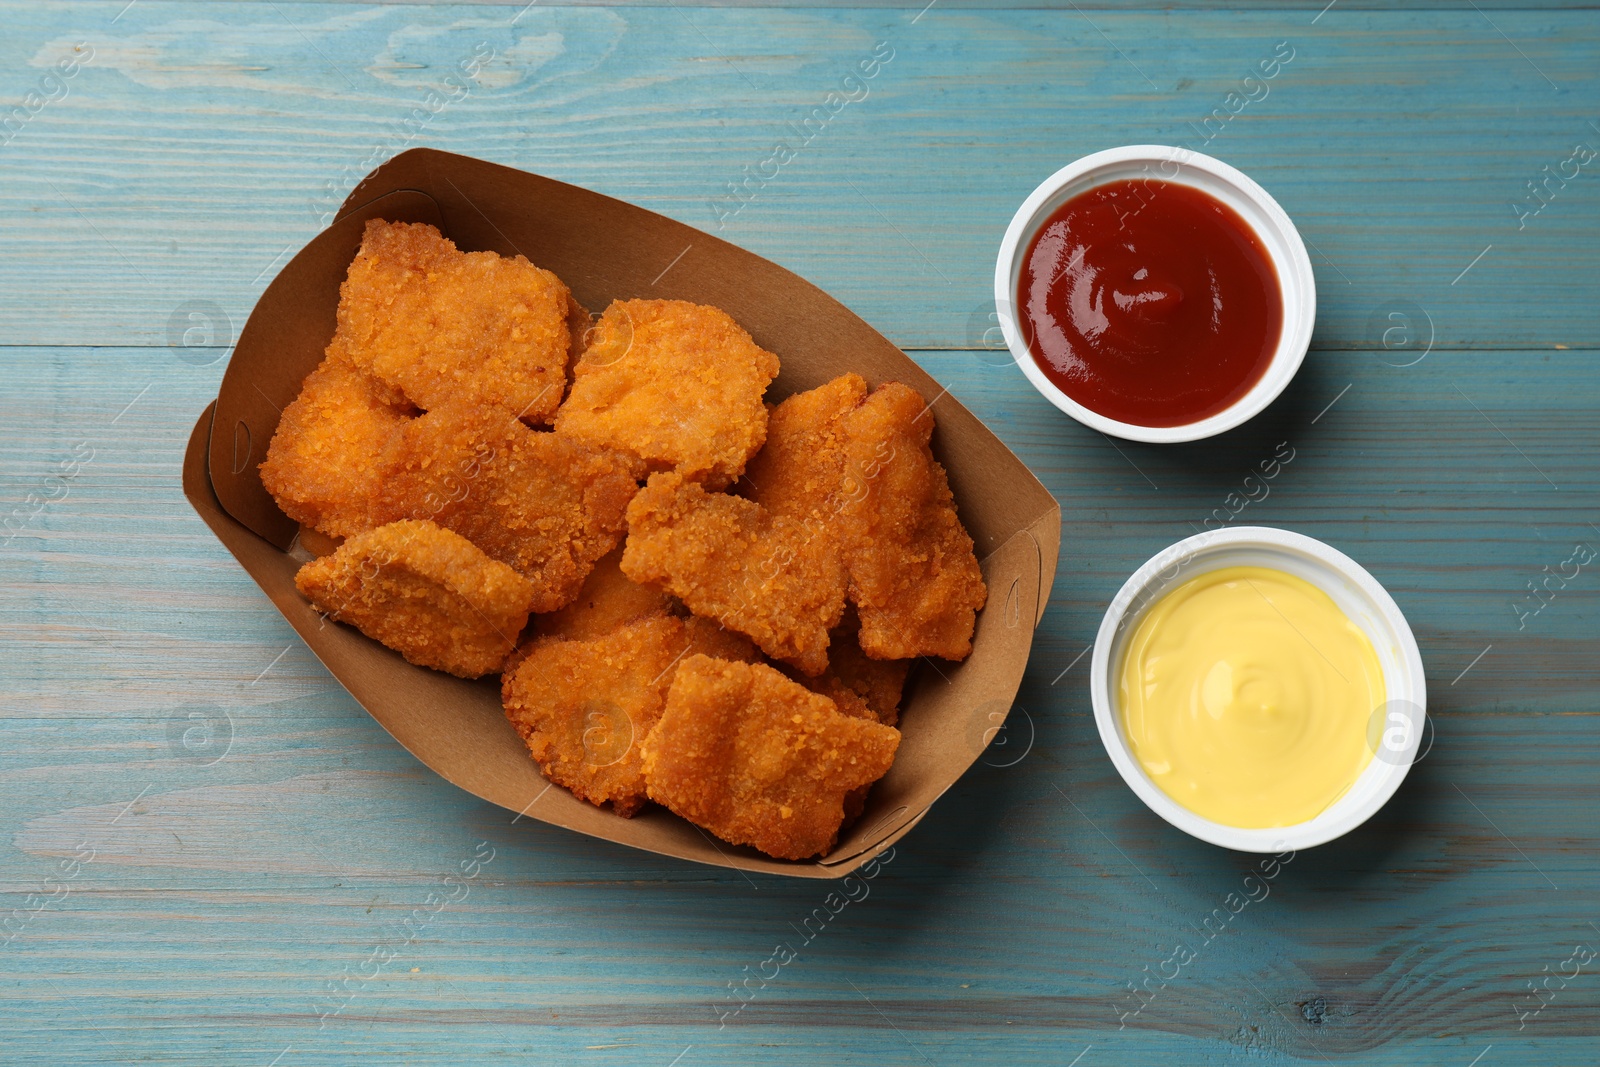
(256, 837)
(1398, 142)
(914, 7)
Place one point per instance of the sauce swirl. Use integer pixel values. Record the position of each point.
(1248, 697)
(1150, 302)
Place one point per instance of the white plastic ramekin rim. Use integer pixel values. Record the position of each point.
(1238, 191)
(1400, 721)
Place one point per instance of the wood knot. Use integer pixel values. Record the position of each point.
(1313, 1011)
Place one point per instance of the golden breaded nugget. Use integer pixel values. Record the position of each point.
(425, 592)
(711, 638)
(728, 560)
(677, 384)
(608, 599)
(800, 471)
(332, 448)
(874, 706)
(759, 760)
(444, 326)
(913, 575)
(881, 683)
(847, 700)
(854, 680)
(583, 706)
(854, 704)
(547, 506)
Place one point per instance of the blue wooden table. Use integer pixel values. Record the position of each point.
(213, 856)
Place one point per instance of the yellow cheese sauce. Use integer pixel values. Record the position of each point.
(1246, 696)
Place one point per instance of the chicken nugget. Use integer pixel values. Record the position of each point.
(609, 599)
(727, 559)
(861, 688)
(800, 471)
(711, 638)
(547, 506)
(759, 760)
(913, 575)
(857, 682)
(332, 448)
(447, 326)
(425, 592)
(860, 469)
(582, 706)
(677, 384)
(856, 705)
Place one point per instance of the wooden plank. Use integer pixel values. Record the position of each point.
(256, 836)
(914, 7)
(226, 897)
(1398, 140)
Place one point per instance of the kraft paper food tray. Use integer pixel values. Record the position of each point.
(605, 249)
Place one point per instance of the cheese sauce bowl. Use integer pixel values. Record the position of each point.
(1394, 728)
(1160, 165)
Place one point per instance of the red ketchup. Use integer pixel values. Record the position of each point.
(1150, 303)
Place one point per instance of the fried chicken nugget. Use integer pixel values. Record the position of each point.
(332, 448)
(855, 681)
(800, 471)
(727, 559)
(913, 575)
(861, 688)
(759, 760)
(425, 592)
(583, 706)
(447, 326)
(675, 383)
(609, 599)
(546, 505)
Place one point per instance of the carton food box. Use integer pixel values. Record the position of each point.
(605, 249)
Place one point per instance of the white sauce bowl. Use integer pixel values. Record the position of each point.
(1357, 594)
(1179, 166)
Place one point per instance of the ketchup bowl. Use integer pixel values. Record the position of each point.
(1155, 294)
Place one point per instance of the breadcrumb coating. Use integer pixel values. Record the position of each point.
(839, 553)
(545, 505)
(800, 471)
(758, 759)
(727, 559)
(583, 706)
(857, 682)
(609, 599)
(425, 592)
(677, 384)
(857, 470)
(332, 448)
(445, 326)
(862, 688)
(913, 575)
